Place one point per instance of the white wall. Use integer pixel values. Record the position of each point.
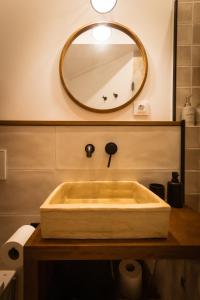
(32, 35)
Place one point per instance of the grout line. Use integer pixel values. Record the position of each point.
(192, 171)
(192, 149)
(188, 87)
(193, 194)
(188, 45)
(188, 66)
(193, 126)
(185, 23)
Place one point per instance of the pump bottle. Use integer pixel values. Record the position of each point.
(174, 191)
(188, 112)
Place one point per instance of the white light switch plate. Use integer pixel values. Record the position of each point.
(3, 164)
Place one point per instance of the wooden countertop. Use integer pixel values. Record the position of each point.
(183, 242)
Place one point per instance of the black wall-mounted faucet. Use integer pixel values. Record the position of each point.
(111, 148)
(89, 149)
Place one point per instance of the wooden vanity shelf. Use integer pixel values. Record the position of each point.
(183, 242)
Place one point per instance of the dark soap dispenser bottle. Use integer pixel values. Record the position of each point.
(174, 191)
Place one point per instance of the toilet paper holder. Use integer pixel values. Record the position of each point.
(13, 253)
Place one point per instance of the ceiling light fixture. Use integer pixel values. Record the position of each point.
(103, 6)
(101, 33)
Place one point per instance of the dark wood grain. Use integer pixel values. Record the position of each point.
(87, 123)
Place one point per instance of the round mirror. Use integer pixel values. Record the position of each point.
(103, 67)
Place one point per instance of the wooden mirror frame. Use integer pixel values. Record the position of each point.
(117, 26)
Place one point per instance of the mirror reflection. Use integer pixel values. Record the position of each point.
(103, 67)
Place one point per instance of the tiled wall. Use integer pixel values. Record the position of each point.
(39, 158)
(169, 274)
(188, 83)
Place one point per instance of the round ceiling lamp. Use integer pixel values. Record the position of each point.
(103, 6)
(101, 33)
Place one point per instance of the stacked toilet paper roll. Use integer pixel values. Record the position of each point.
(130, 279)
(12, 249)
(12, 255)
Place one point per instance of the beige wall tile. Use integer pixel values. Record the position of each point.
(184, 35)
(196, 96)
(196, 34)
(193, 137)
(184, 76)
(183, 56)
(192, 161)
(138, 147)
(196, 55)
(185, 13)
(29, 147)
(196, 16)
(24, 191)
(192, 182)
(196, 76)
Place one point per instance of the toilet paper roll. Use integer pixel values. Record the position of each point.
(130, 279)
(12, 250)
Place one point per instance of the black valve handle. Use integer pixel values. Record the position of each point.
(89, 149)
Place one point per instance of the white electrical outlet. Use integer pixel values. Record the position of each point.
(3, 164)
(142, 109)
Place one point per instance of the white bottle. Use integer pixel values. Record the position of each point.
(188, 112)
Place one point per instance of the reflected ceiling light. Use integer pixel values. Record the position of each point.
(101, 33)
(103, 6)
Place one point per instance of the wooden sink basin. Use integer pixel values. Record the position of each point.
(104, 210)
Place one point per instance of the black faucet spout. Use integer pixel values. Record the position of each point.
(111, 148)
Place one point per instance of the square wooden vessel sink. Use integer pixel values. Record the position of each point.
(104, 210)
